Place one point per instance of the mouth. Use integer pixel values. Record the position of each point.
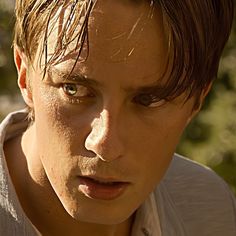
(101, 189)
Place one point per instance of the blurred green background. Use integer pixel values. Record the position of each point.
(211, 137)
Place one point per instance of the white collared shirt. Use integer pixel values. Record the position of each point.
(147, 221)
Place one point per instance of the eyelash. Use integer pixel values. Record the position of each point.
(150, 100)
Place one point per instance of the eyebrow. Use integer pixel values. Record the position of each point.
(155, 88)
(74, 76)
(78, 77)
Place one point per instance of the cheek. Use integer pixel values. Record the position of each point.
(52, 132)
(54, 137)
(160, 135)
(65, 129)
(49, 115)
(155, 145)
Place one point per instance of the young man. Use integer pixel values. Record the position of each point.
(110, 86)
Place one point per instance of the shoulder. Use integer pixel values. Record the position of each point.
(200, 198)
(184, 174)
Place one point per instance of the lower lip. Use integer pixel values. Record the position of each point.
(101, 191)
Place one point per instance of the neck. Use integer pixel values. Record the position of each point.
(39, 200)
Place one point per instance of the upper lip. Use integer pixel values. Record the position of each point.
(104, 179)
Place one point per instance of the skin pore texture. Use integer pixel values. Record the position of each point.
(97, 123)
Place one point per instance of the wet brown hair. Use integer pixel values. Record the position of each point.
(197, 32)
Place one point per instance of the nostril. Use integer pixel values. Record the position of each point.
(105, 148)
(90, 154)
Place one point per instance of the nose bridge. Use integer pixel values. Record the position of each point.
(104, 139)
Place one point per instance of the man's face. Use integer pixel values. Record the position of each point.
(104, 144)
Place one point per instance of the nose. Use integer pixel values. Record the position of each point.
(103, 139)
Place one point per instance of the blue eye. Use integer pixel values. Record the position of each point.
(148, 100)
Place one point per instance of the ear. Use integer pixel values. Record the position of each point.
(21, 66)
(198, 104)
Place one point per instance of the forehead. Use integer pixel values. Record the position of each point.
(125, 38)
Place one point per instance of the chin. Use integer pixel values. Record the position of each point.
(101, 216)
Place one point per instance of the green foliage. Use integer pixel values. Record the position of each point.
(9, 94)
(7, 69)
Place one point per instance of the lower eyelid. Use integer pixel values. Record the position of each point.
(74, 100)
(158, 103)
(71, 99)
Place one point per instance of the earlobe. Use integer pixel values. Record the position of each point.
(21, 66)
(202, 97)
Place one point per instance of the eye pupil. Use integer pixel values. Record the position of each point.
(145, 99)
(70, 89)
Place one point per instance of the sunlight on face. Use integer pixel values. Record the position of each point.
(107, 138)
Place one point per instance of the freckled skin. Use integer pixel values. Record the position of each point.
(107, 135)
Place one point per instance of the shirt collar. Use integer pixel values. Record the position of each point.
(147, 221)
